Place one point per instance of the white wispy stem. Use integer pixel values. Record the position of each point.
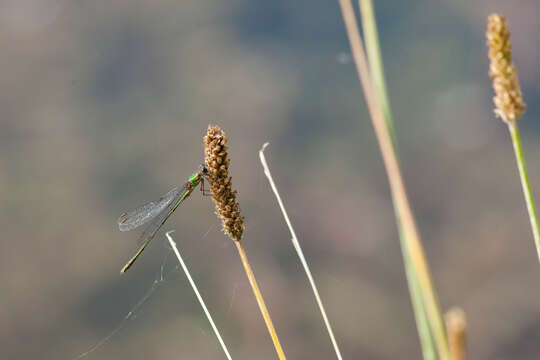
(196, 291)
(299, 251)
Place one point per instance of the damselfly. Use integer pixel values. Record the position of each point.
(158, 212)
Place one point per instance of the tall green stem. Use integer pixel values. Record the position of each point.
(533, 217)
(376, 66)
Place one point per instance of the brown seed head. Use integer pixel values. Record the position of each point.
(217, 162)
(456, 328)
(508, 99)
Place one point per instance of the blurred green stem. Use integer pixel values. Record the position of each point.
(397, 186)
(376, 67)
(371, 36)
(516, 142)
(420, 315)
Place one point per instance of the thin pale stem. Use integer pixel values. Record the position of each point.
(260, 300)
(196, 291)
(399, 194)
(527, 193)
(299, 251)
(369, 25)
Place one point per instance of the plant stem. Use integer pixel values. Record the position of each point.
(419, 310)
(196, 291)
(399, 194)
(260, 300)
(369, 25)
(373, 49)
(299, 252)
(533, 217)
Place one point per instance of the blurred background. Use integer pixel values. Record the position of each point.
(103, 107)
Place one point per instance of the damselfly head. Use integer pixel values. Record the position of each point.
(203, 170)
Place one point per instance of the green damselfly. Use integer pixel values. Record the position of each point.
(158, 212)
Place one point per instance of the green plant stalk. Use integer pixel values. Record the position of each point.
(527, 193)
(373, 50)
(420, 315)
(417, 297)
(397, 186)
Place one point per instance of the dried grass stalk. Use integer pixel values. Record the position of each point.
(228, 210)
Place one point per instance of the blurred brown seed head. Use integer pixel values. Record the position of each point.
(508, 99)
(456, 328)
(217, 162)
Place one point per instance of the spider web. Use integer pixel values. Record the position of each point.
(132, 314)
